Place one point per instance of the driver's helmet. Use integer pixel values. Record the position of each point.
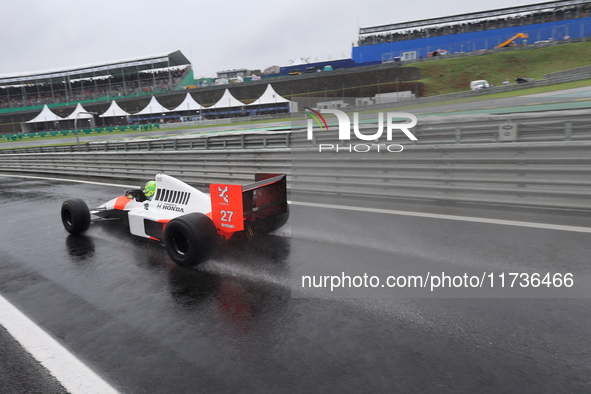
(149, 189)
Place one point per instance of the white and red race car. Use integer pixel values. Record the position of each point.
(189, 221)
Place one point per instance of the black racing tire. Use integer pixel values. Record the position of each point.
(190, 239)
(75, 216)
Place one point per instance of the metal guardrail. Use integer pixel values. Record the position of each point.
(529, 174)
(195, 167)
(548, 127)
(547, 131)
(548, 163)
(209, 122)
(584, 71)
(233, 141)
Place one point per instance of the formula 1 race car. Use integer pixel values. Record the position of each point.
(189, 221)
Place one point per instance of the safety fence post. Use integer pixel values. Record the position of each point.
(568, 131)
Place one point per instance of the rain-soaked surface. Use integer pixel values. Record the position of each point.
(147, 326)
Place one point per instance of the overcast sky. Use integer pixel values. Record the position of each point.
(39, 35)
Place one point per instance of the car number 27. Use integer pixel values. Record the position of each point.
(226, 216)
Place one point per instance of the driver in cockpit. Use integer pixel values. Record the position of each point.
(143, 194)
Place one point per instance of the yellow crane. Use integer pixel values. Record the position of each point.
(510, 40)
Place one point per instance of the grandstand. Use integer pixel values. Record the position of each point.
(555, 20)
(147, 75)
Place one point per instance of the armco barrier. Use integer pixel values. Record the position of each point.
(270, 140)
(81, 132)
(529, 174)
(584, 72)
(572, 125)
(538, 174)
(210, 122)
(547, 127)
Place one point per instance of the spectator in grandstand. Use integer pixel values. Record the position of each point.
(91, 88)
(547, 15)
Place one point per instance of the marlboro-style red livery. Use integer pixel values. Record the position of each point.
(189, 221)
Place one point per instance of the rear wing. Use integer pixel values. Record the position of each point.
(259, 207)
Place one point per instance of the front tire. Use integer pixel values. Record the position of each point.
(190, 239)
(75, 216)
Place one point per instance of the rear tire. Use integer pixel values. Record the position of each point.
(75, 216)
(190, 239)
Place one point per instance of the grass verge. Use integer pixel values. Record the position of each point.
(454, 75)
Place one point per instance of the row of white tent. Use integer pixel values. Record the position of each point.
(154, 107)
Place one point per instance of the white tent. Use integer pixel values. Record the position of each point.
(269, 97)
(227, 101)
(79, 108)
(45, 116)
(153, 107)
(114, 110)
(188, 104)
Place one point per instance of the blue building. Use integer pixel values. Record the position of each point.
(556, 20)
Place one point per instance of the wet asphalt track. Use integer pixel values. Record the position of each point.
(122, 306)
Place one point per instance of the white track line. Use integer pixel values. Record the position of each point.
(546, 226)
(73, 375)
(68, 180)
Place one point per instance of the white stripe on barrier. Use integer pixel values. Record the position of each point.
(69, 180)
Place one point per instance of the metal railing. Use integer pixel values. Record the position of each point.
(575, 126)
(547, 164)
(530, 174)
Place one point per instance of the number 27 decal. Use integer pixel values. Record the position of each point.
(226, 216)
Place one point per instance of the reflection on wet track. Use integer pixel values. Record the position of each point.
(231, 325)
